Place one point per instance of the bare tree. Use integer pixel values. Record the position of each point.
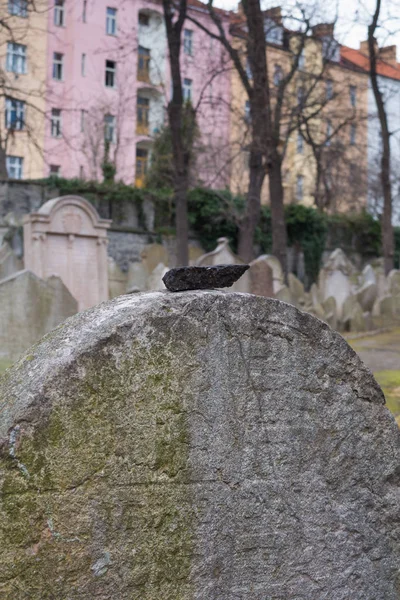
(387, 227)
(178, 112)
(272, 112)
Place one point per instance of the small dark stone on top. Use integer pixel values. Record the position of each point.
(181, 279)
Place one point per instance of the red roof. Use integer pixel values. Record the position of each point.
(358, 59)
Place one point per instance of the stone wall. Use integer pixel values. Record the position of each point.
(196, 446)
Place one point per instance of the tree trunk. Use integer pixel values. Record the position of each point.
(386, 223)
(251, 218)
(181, 153)
(3, 166)
(279, 236)
(181, 220)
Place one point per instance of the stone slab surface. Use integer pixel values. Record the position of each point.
(196, 446)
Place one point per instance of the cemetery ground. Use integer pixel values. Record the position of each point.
(381, 353)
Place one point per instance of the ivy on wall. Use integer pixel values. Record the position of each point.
(216, 213)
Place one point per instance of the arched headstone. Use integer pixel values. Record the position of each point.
(196, 446)
(67, 238)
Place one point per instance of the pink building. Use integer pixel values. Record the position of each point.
(108, 77)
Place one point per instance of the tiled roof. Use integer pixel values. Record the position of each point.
(361, 61)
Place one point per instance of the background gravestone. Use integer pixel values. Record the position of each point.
(196, 446)
(67, 238)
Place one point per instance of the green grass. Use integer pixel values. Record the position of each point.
(390, 384)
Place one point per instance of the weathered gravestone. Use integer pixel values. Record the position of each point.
(196, 446)
(67, 238)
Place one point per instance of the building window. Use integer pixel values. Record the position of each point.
(58, 66)
(111, 73)
(15, 114)
(300, 96)
(83, 119)
(18, 8)
(83, 65)
(187, 90)
(14, 165)
(353, 95)
(188, 42)
(109, 128)
(329, 89)
(144, 64)
(142, 157)
(16, 58)
(353, 129)
(299, 187)
(143, 109)
(54, 170)
(249, 72)
(59, 13)
(111, 21)
(84, 11)
(278, 74)
(273, 32)
(55, 122)
(328, 133)
(302, 60)
(247, 115)
(300, 143)
(144, 19)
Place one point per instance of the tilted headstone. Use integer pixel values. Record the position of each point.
(67, 238)
(223, 255)
(9, 262)
(261, 277)
(29, 308)
(196, 446)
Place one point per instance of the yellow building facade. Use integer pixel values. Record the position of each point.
(330, 130)
(23, 57)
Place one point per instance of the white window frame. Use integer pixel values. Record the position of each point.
(15, 166)
(59, 13)
(111, 20)
(17, 106)
(58, 66)
(18, 8)
(112, 71)
(56, 123)
(16, 58)
(188, 42)
(187, 89)
(110, 128)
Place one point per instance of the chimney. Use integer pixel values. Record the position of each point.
(389, 55)
(275, 14)
(364, 47)
(323, 30)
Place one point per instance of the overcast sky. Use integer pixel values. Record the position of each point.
(353, 18)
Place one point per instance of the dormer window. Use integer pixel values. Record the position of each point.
(330, 49)
(273, 32)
